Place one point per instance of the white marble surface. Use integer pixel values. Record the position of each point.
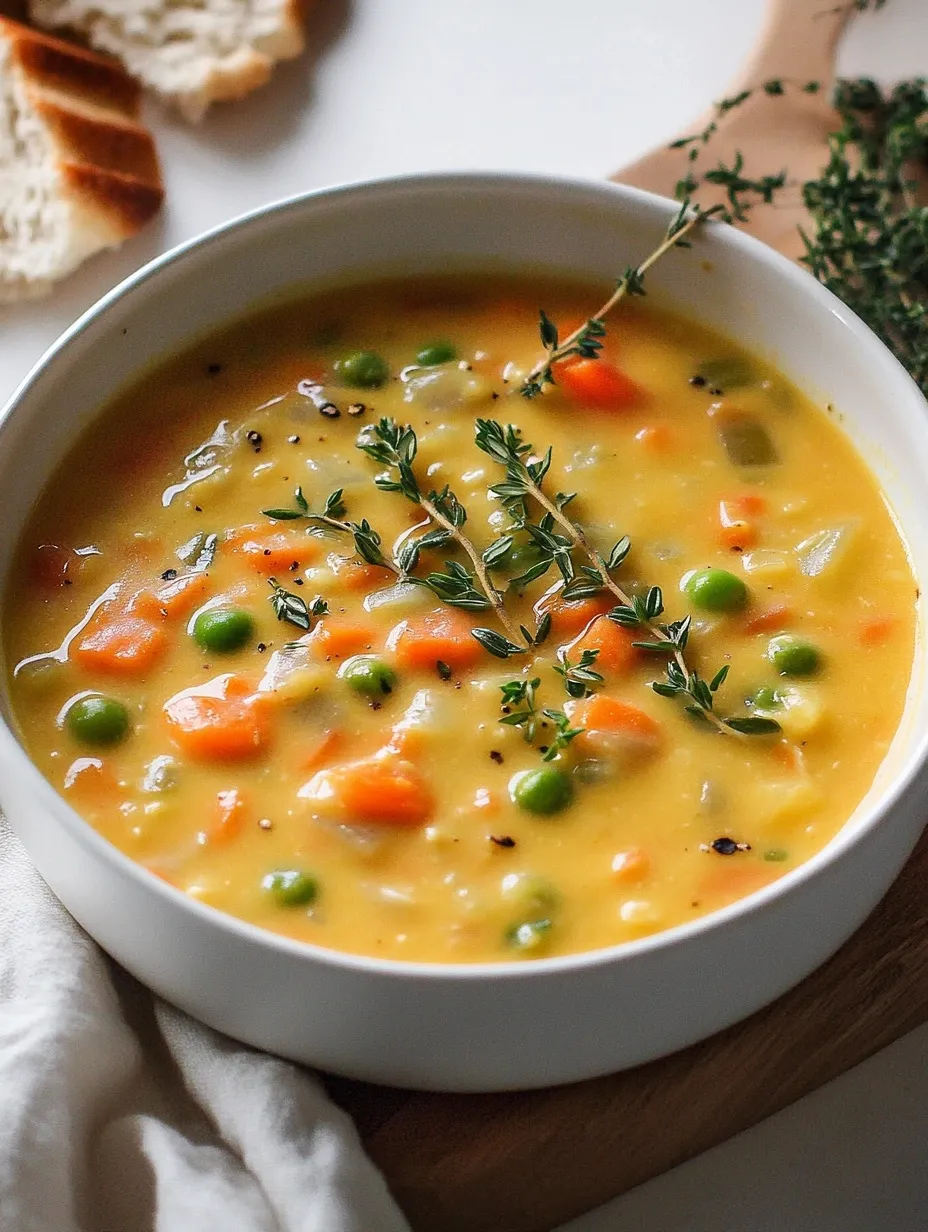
(410, 85)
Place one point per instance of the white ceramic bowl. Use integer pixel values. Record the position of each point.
(512, 1024)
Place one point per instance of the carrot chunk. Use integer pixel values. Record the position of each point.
(441, 635)
(380, 790)
(270, 550)
(90, 779)
(356, 574)
(631, 864)
(223, 720)
(228, 820)
(656, 438)
(737, 529)
(877, 630)
(119, 644)
(770, 619)
(614, 643)
(597, 383)
(179, 596)
(750, 504)
(608, 714)
(146, 605)
(613, 729)
(568, 619)
(336, 639)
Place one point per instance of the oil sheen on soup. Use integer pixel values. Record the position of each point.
(330, 627)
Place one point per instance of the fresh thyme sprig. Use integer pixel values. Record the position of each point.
(700, 700)
(563, 733)
(742, 193)
(868, 238)
(579, 677)
(367, 541)
(586, 340)
(395, 446)
(520, 710)
(518, 704)
(293, 609)
(523, 482)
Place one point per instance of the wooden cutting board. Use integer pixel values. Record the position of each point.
(525, 1162)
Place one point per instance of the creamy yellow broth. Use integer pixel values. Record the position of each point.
(668, 820)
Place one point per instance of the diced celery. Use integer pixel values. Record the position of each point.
(745, 439)
(728, 372)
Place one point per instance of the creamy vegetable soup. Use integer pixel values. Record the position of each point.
(331, 628)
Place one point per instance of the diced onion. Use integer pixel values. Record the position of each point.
(401, 595)
(444, 388)
(826, 549)
(293, 675)
(161, 774)
(768, 564)
(428, 714)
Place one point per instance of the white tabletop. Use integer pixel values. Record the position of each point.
(544, 85)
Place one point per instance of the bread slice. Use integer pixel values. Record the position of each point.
(191, 52)
(78, 172)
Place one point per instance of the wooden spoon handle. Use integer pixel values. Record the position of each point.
(798, 41)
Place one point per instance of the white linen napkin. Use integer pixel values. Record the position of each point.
(119, 1113)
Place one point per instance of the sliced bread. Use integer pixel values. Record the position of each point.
(191, 52)
(78, 172)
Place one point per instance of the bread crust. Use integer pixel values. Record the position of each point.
(99, 166)
(190, 70)
(52, 64)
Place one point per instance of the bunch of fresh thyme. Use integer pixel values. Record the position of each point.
(867, 237)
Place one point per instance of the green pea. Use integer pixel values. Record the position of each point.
(791, 656)
(531, 893)
(223, 629)
(529, 935)
(436, 353)
(290, 887)
(97, 719)
(766, 698)
(716, 590)
(776, 855)
(363, 370)
(545, 790)
(368, 675)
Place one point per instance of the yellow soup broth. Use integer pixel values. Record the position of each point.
(366, 783)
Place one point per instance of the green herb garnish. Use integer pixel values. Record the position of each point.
(293, 609)
(520, 710)
(559, 539)
(578, 677)
(367, 542)
(395, 447)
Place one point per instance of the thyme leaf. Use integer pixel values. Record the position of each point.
(579, 677)
(292, 608)
(395, 447)
(559, 538)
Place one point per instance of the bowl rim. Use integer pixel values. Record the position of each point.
(900, 384)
